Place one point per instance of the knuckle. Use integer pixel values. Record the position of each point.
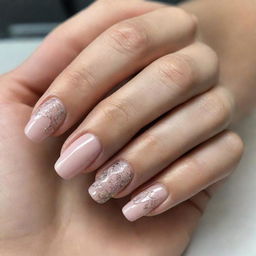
(114, 111)
(210, 53)
(177, 70)
(156, 144)
(190, 20)
(191, 163)
(234, 143)
(128, 37)
(218, 106)
(150, 141)
(193, 24)
(213, 61)
(80, 79)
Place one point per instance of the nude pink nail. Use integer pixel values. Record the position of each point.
(111, 181)
(145, 202)
(46, 120)
(78, 156)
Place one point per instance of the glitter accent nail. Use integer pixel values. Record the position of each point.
(145, 202)
(46, 120)
(111, 181)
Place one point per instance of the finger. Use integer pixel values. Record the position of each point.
(164, 142)
(62, 45)
(173, 78)
(112, 57)
(182, 219)
(200, 200)
(205, 165)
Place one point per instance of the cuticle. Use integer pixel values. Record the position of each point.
(45, 100)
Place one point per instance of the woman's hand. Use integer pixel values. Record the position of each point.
(146, 133)
(43, 215)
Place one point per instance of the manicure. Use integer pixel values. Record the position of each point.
(78, 156)
(111, 181)
(145, 202)
(46, 120)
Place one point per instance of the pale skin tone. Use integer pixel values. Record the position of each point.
(43, 215)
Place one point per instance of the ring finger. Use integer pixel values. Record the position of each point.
(178, 132)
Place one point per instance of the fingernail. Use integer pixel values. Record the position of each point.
(145, 202)
(111, 181)
(46, 120)
(78, 156)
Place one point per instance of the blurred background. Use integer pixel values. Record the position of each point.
(35, 18)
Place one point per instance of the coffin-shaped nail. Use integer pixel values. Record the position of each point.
(111, 181)
(145, 202)
(45, 120)
(78, 156)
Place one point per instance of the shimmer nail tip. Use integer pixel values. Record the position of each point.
(95, 196)
(45, 120)
(111, 181)
(145, 202)
(78, 156)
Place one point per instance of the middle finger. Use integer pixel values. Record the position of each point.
(164, 84)
(170, 138)
(116, 54)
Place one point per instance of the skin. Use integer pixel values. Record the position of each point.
(55, 217)
(177, 68)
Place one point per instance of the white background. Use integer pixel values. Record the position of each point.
(229, 226)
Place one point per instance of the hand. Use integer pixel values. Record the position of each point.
(42, 215)
(172, 89)
(61, 219)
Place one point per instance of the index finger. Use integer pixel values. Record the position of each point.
(63, 44)
(116, 54)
